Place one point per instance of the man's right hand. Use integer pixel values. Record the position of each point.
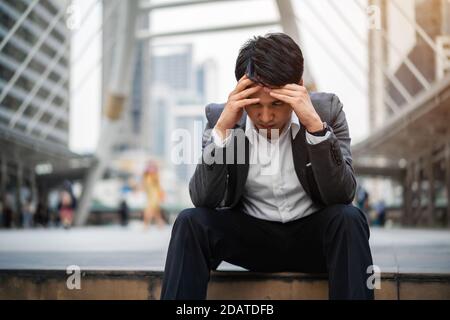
(234, 108)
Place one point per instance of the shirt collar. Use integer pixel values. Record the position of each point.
(250, 130)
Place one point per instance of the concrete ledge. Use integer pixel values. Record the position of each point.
(143, 285)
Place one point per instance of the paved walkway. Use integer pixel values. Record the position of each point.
(132, 248)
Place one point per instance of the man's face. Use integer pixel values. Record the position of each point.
(269, 113)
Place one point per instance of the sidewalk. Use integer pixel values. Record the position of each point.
(114, 248)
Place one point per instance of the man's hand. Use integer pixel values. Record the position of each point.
(297, 96)
(234, 108)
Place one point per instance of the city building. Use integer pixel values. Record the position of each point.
(409, 99)
(34, 98)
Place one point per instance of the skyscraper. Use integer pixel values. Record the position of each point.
(34, 70)
(34, 94)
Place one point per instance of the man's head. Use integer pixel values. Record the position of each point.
(271, 61)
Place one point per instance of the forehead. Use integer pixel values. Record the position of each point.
(263, 95)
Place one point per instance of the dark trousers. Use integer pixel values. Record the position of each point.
(333, 240)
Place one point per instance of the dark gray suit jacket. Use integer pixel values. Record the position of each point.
(328, 179)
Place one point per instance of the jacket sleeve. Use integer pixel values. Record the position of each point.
(331, 160)
(208, 184)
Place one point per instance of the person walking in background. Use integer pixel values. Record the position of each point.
(1, 211)
(41, 217)
(380, 209)
(124, 210)
(362, 201)
(53, 200)
(154, 195)
(28, 210)
(66, 209)
(8, 210)
(67, 205)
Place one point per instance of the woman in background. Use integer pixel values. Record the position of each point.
(66, 209)
(154, 195)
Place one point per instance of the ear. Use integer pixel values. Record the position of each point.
(301, 82)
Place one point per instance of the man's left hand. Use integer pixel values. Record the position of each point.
(297, 96)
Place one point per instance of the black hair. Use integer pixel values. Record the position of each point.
(272, 60)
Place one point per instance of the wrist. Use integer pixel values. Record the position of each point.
(315, 126)
(221, 131)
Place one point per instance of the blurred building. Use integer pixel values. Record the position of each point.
(34, 70)
(180, 91)
(172, 65)
(176, 85)
(179, 110)
(409, 96)
(34, 94)
(133, 123)
(403, 22)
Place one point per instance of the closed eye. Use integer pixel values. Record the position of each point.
(277, 103)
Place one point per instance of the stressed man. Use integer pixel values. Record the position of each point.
(286, 208)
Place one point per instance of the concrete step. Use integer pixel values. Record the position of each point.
(142, 285)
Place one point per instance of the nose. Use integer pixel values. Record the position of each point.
(266, 115)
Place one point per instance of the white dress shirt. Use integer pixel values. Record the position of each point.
(272, 190)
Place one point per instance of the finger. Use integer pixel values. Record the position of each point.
(243, 77)
(293, 86)
(243, 84)
(287, 92)
(246, 93)
(246, 102)
(282, 97)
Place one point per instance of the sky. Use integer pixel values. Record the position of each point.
(335, 54)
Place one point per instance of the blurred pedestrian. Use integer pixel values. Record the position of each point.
(380, 209)
(124, 212)
(53, 200)
(8, 210)
(28, 211)
(41, 216)
(1, 211)
(66, 209)
(154, 194)
(362, 200)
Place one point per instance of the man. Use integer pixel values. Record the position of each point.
(295, 218)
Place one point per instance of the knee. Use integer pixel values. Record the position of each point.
(184, 217)
(349, 216)
(188, 217)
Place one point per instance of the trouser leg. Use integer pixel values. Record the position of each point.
(334, 240)
(348, 253)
